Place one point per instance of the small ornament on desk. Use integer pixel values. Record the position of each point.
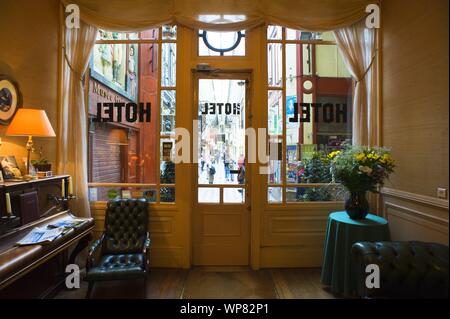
(44, 174)
(32, 172)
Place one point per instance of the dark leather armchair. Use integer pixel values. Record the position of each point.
(123, 246)
(407, 269)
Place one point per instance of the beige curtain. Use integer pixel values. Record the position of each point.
(72, 139)
(358, 46)
(134, 15)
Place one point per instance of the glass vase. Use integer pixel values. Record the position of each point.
(356, 205)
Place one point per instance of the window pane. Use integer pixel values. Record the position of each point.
(167, 167)
(169, 32)
(274, 62)
(274, 32)
(221, 125)
(107, 35)
(292, 34)
(108, 193)
(149, 34)
(208, 195)
(167, 194)
(124, 139)
(275, 194)
(168, 64)
(315, 74)
(275, 175)
(315, 194)
(275, 112)
(168, 106)
(233, 195)
(120, 143)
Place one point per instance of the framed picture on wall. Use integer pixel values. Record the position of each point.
(10, 169)
(10, 99)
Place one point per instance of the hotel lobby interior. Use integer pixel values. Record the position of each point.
(271, 149)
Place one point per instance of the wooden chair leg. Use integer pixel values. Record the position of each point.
(89, 290)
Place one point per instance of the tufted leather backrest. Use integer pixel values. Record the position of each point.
(126, 225)
(407, 269)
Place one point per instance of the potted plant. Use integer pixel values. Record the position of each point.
(42, 164)
(360, 169)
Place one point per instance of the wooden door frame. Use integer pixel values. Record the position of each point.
(234, 74)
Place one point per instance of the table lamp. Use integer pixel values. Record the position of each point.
(30, 122)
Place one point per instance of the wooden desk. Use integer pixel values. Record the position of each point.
(38, 271)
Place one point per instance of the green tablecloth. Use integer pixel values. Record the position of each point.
(342, 232)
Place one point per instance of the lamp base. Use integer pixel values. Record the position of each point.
(28, 177)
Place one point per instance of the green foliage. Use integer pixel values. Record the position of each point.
(41, 161)
(112, 193)
(168, 177)
(315, 194)
(316, 170)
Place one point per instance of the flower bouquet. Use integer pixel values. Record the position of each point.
(360, 169)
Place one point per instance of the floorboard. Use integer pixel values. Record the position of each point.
(212, 283)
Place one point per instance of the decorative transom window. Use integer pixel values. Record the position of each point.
(212, 43)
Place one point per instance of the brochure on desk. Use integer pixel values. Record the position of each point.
(47, 234)
(41, 236)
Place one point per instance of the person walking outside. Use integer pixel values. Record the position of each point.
(211, 172)
(241, 178)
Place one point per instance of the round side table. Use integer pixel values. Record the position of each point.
(342, 232)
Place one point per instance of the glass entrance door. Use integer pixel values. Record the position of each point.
(221, 215)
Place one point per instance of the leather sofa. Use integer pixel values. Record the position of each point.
(407, 269)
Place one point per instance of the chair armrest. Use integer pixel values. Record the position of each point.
(146, 243)
(145, 250)
(92, 250)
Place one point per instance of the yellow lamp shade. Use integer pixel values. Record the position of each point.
(30, 122)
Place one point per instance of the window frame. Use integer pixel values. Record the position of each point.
(284, 185)
(158, 186)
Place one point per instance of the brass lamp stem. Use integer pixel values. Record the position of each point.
(29, 149)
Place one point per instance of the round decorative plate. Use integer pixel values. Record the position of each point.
(9, 100)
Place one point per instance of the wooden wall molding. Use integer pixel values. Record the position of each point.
(388, 206)
(415, 216)
(417, 198)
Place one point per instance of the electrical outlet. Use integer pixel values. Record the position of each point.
(442, 193)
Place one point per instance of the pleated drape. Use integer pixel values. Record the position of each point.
(134, 15)
(357, 45)
(72, 132)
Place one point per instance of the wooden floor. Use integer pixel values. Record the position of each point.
(214, 282)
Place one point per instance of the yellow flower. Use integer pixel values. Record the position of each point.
(334, 154)
(361, 157)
